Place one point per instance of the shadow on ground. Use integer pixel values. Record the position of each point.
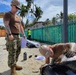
(6, 72)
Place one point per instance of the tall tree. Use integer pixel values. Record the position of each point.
(54, 20)
(47, 22)
(23, 12)
(61, 17)
(38, 12)
(29, 2)
(71, 17)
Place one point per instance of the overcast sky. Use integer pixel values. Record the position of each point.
(49, 7)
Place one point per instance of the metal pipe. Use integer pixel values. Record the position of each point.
(65, 22)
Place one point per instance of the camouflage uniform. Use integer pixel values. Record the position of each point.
(14, 26)
(14, 49)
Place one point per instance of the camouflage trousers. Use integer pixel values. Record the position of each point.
(14, 48)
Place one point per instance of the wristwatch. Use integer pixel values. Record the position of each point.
(9, 34)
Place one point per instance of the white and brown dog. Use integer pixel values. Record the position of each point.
(62, 51)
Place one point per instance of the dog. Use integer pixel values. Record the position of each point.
(60, 52)
(70, 54)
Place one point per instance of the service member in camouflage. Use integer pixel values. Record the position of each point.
(13, 25)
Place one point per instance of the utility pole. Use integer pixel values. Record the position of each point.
(65, 22)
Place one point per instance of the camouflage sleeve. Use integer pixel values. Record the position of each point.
(6, 20)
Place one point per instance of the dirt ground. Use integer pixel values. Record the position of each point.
(30, 66)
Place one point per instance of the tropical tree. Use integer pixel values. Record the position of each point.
(54, 20)
(2, 27)
(38, 12)
(23, 12)
(71, 17)
(29, 2)
(24, 9)
(27, 23)
(61, 17)
(47, 22)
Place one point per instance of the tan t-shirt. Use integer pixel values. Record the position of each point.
(14, 22)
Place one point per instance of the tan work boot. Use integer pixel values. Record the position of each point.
(13, 70)
(18, 67)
